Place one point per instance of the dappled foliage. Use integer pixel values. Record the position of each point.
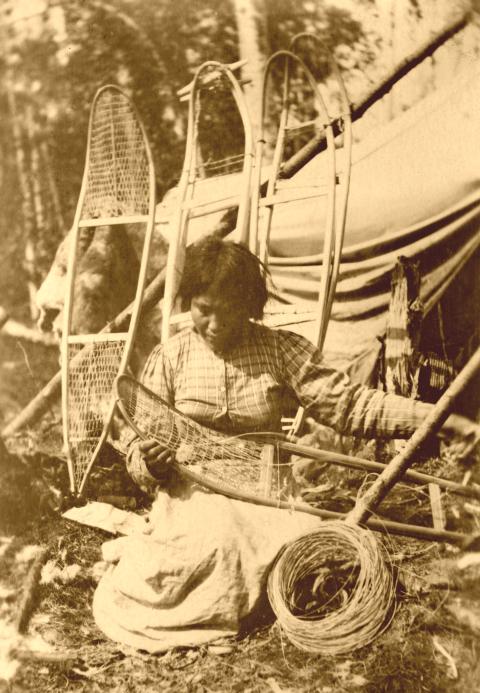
(56, 57)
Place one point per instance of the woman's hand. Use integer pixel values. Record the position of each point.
(462, 435)
(157, 458)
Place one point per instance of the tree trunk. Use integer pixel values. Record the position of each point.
(37, 407)
(35, 177)
(387, 12)
(248, 24)
(17, 330)
(52, 186)
(318, 143)
(26, 193)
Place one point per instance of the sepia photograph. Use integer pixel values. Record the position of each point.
(240, 346)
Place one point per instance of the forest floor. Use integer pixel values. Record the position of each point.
(432, 644)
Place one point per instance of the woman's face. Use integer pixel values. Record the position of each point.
(218, 321)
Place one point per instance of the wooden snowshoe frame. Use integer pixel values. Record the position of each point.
(118, 187)
(188, 205)
(280, 191)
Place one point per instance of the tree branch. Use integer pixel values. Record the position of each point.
(318, 143)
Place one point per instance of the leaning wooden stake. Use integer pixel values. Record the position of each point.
(4, 317)
(16, 330)
(318, 143)
(350, 462)
(24, 614)
(37, 407)
(399, 465)
(27, 603)
(44, 399)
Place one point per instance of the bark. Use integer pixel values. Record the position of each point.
(248, 24)
(52, 186)
(396, 469)
(318, 143)
(4, 317)
(29, 230)
(27, 603)
(16, 330)
(49, 394)
(35, 177)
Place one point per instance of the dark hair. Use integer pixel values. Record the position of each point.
(227, 269)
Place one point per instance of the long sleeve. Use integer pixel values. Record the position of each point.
(157, 376)
(333, 400)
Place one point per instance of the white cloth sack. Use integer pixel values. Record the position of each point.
(107, 517)
(196, 576)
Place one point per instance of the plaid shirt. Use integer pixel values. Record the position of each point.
(247, 388)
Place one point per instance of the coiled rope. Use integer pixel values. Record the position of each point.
(321, 606)
(332, 590)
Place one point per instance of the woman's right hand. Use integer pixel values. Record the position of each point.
(157, 458)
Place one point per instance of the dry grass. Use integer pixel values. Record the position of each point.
(405, 659)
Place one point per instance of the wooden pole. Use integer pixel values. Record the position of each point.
(4, 317)
(42, 401)
(318, 143)
(350, 462)
(380, 525)
(27, 602)
(16, 330)
(35, 408)
(398, 466)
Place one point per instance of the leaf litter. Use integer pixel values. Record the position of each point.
(407, 658)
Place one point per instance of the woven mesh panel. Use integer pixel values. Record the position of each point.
(91, 377)
(118, 171)
(233, 460)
